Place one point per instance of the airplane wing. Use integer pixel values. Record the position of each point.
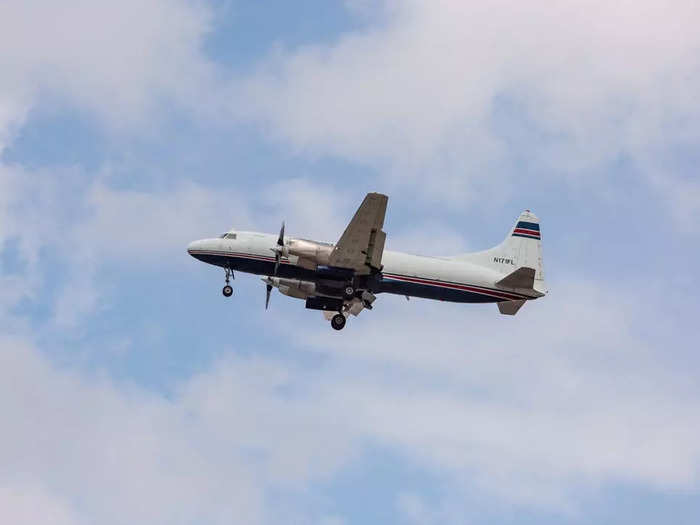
(362, 244)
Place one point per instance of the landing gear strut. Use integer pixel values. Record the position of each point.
(228, 290)
(338, 321)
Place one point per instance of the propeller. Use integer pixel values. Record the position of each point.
(279, 250)
(268, 289)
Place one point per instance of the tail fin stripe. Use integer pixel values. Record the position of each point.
(522, 248)
(528, 225)
(523, 230)
(528, 234)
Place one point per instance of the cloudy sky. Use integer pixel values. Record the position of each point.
(131, 391)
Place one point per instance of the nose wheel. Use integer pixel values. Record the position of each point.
(228, 290)
(338, 321)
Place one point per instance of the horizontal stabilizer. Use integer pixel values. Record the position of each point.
(510, 307)
(523, 277)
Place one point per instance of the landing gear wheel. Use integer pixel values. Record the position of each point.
(228, 291)
(348, 293)
(338, 321)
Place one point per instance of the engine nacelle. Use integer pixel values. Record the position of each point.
(293, 287)
(318, 253)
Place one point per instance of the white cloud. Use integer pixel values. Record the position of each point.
(116, 455)
(566, 396)
(534, 410)
(119, 60)
(569, 394)
(140, 225)
(85, 223)
(311, 209)
(31, 218)
(30, 504)
(79, 299)
(13, 111)
(146, 226)
(414, 509)
(112, 453)
(422, 239)
(416, 95)
(683, 193)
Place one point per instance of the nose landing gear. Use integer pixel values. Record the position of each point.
(228, 290)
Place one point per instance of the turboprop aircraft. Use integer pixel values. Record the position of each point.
(344, 278)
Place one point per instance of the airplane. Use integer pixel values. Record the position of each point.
(344, 278)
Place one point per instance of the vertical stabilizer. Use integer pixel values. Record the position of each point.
(522, 248)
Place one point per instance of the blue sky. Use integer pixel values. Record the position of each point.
(132, 391)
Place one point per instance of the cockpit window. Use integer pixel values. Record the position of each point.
(228, 235)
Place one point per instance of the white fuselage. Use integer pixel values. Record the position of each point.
(443, 278)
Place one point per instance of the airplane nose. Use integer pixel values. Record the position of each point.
(193, 246)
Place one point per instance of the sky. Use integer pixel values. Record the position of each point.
(132, 391)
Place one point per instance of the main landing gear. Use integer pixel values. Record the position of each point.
(338, 321)
(350, 305)
(228, 290)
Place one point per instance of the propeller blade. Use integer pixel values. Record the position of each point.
(280, 239)
(268, 289)
(278, 252)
